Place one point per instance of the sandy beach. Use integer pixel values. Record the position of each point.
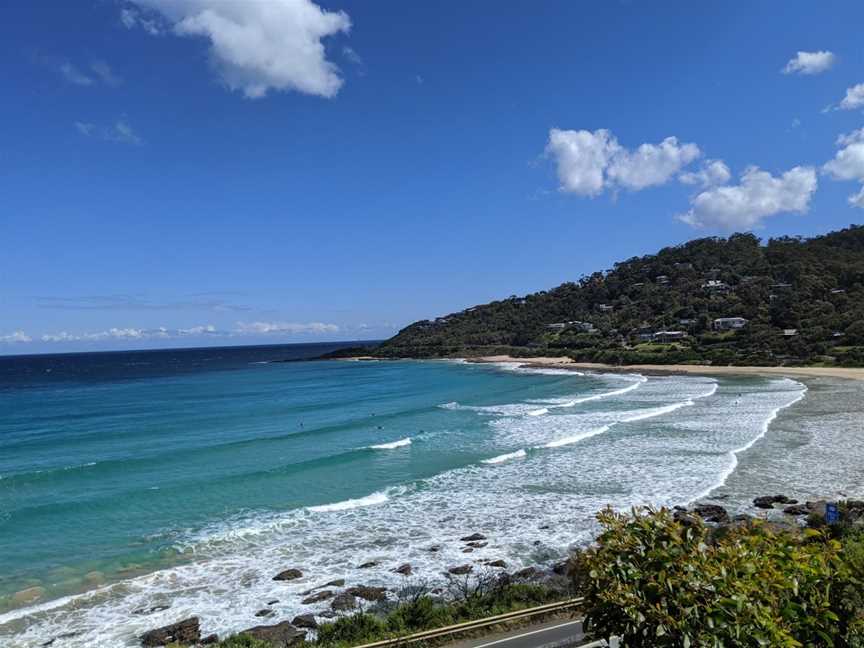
(853, 373)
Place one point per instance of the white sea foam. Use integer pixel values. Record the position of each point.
(538, 412)
(519, 454)
(657, 411)
(401, 443)
(557, 443)
(369, 500)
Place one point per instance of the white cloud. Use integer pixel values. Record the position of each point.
(854, 98)
(131, 18)
(75, 76)
(810, 63)
(848, 163)
(285, 327)
(120, 132)
(260, 45)
(758, 196)
(15, 336)
(198, 330)
(130, 333)
(711, 174)
(105, 74)
(589, 162)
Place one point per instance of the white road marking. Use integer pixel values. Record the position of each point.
(528, 634)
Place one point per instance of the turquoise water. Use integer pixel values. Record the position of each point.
(192, 488)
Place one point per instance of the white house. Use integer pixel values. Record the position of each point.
(729, 323)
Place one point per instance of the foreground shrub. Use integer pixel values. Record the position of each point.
(657, 582)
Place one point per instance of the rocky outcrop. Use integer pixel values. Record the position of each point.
(305, 621)
(368, 565)
(477, 545)
(460, 570)
(281, 635)
(209, 639)
(497, 563)
(768, 501)
(317, 597)
(151, 610)
(264, 613)
(712, 513)
(473, 537)
(405, 569)
(796, 509)
(344, 601)
(184, 632)
(288, 575)
(368, 593)
(525, 574)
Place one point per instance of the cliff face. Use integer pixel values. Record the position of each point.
(802, 299)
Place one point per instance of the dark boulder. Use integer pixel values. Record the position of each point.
(497, 563)
(368, 593)
(305, 621)
(712, 513)
(434, 549)
(273, 602)
(468, 550)
(317, 597)
(768, 501)
(339, 582)
(151, 610)
(405, 569)
(264, 613)
(288, 575)
(281, 635)
(525, 574)
(209, 639)
(460, 570)
(796, 509)
(187, 631)
(343, 601)
(560, 568)
(477, 545)
(367, 565)
(473, 537)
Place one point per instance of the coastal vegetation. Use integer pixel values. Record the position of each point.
(722, 301)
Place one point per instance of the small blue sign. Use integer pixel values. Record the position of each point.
(832, 513)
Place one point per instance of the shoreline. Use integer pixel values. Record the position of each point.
(850, 373)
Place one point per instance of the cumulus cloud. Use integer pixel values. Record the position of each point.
(848, 163)
(810, 63)
(15, 336)
(120, 132)
(711, 174)
(854, 98)
(258, 45)
(757, 196)
(285, 327)
(132, 18)
(590, 162)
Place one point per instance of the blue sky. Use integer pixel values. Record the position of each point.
(188, 172)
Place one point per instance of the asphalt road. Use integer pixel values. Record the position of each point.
(553, 634)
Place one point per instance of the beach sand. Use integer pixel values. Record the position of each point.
(852, 373)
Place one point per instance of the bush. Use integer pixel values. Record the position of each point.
(656, 582)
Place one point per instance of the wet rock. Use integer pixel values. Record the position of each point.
(29, 595)
(685, 518)
(473, 537)
(796, 509)
(525, 574)
(343, 601)
(405, 569)
(434, 548)
(477, 545)
(544, 527)
(186, 631)
(288, 575)
(317, 597)
(65, 635)
(460, 569)
(768, 501)
(273, 602)
(560, 568)
(305, 621)
(281, 635)
(151, 610)
(468, 550)
(264, 613)
(497, 563)
(712, 513)
(368, 593)
(209, 639)
(367, 565)
(339, 582)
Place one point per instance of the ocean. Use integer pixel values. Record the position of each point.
(139, 488)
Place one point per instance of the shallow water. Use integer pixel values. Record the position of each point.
(191, 486)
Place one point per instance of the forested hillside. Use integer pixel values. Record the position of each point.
(802, 299)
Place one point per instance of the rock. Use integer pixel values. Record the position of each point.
(544, 527)
(343, 601)
(497, 563)
(477, 545)
(460, 569)
(768, 501)
(525, 574)
(339, 582)
(434, 548)
(264, 613)
(473, 537)
(288, 575)
(685, 518)
(367, 565)
(65, 635)
(281, 635)
(712, 513)
(186, 631)
(317, 597)
(273, 602)
(560, 568)
(468, 550)
(209, 639)
(796, 509)
(305, 621)
(29, 595)
(368, 593)
(405, 569)
(151, 610)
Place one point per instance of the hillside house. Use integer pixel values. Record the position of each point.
(716, 286)
(669, 336)
(729, 323)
